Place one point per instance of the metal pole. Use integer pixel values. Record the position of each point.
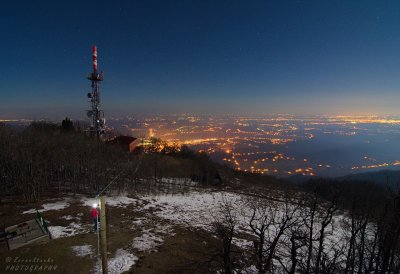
(98, 241)
(103, 224)
(103, 236)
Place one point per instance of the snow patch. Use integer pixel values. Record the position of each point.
(179, 181)
(242, 243)
(82, 250)
(120, 201)
(193, 209)
(60, 232)
(50, 206)
(147, 242)
(117, 201)
(152, 238)
(121, 262)
(138, 222)
(69, 218)
(71, 230)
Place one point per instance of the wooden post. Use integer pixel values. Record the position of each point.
(103, 242)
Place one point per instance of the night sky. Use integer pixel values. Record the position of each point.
(300, 57)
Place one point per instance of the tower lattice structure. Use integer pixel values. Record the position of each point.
(96, 114)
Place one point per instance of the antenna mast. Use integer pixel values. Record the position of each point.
(97, 115)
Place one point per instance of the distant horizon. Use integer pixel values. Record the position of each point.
(49, 117)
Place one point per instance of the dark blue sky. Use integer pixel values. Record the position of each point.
(308, 57)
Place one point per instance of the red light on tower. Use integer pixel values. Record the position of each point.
(94, 50)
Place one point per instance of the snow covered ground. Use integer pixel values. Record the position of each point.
(195, 209)
(152, 238)
(82, 250)
(148, 241)
(121, 262)
(67, 231)
(161, 212)
(70, 218)
(116, 201)
(50, 206)
(201, 209)
(179, 181)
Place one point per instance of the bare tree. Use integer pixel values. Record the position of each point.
(224, 228)
(269, 220)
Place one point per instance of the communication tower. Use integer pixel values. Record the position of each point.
(96, 114)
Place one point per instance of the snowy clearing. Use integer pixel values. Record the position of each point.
(201, 210)
(194, 209)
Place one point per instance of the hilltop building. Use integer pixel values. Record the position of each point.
(127, 143)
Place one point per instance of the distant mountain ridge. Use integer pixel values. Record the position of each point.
(386, 178)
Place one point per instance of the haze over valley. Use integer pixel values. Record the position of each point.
(280, 145)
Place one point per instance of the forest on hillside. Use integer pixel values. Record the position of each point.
(49, 159)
